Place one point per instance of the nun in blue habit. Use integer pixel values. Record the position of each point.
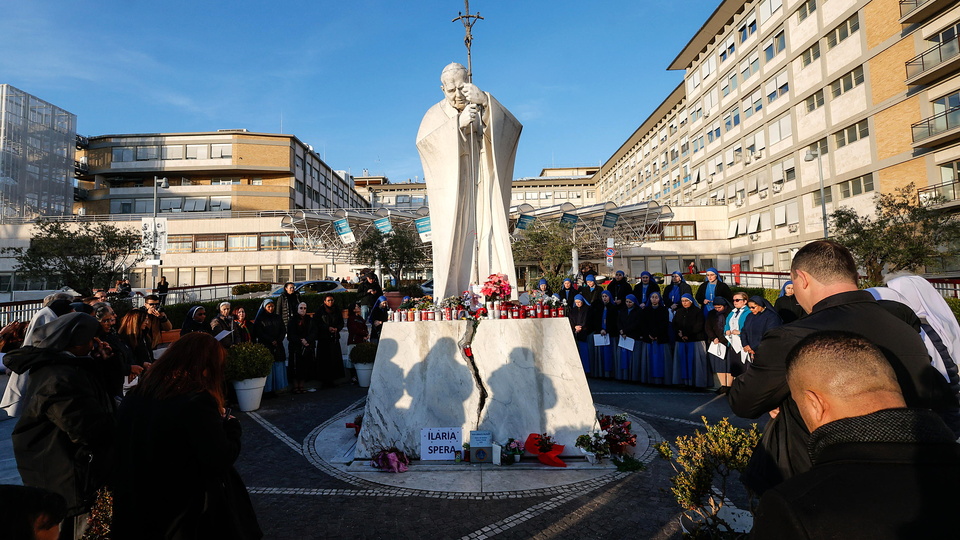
(690, 351)
(711, 288)
(656, 359)
(604, 315)
(630, 323)
(580, 324)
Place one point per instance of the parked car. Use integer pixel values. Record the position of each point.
(427, 287)
(321, 286)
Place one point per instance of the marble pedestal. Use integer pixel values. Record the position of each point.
(529, 370)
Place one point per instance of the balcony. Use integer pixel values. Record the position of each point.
(914, 11)
(947, 193)
(935, 63)
(937, 130)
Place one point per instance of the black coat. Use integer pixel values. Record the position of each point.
(688, 323)
(378, 314)
(592, 296)
(684, 287)
(287, 306)
(656, 323)
(267, 329)
(63, 438)
(580, 316)
(190, 325)
(783, 450)
(713, 326)
(613, 317)
(620, 289)
(865, 484)
(722, 289)
(174, 475)
(788, 308)
(651, 288)
(756, 325)
(631, 322)
(568, 295)
(366, 298)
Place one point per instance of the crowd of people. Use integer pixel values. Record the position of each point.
(640, 333)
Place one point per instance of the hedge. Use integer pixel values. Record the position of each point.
(178, 312)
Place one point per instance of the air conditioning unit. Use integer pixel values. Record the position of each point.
(747, 159)
(757, 155)
(793, 227)
(739, 201)
(754, 237)
(777, 187)
(706, 114)
(763, 193)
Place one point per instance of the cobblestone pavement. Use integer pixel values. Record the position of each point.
(294, 498)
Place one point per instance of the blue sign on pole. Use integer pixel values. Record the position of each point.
(525, 221)
(342, 226)
(423, 228)
(383, 225)
(569, 219)
(610, 220)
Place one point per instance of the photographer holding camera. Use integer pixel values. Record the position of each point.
(158, 321)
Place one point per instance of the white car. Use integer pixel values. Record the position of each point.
(321, 286)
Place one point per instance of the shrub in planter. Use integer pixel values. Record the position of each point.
(248, 361)
(245, 288)
(364, 353)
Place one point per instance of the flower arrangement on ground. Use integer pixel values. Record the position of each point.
(391, 460)
(618, 431)
(545, 448)
(497, 287)
(595, 443)
(514, 446)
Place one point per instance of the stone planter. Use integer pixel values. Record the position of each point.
(394, 299)
(249, 392)
(364, 372)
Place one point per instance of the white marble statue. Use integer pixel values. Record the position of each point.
(467, 144)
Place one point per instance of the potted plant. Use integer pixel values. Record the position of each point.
(705, 464)
(248, 365)
(594, 445)
(618, 432)
(514, 448)
(363, 355)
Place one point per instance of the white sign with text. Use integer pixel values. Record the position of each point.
(440, 443)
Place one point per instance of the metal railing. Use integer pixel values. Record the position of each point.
(948, 288)
(947, 192)
(933, 57)
(74, 218)
(18, 311)
(909, 6)
(935, 125)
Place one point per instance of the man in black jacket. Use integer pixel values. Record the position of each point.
(825, 282)
(880, 470)
(64, 434)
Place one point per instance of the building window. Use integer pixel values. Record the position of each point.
(242, 242)
(210, 243)
(219, 203)
(171, 204)
(221, 151)
(827, 193)
(122, 153)
(820, 147)
(781, 129)
(256, 181)
(682, 230)
(774, 46)
(121, 206)
(220, 181)
(846, 83)
(729, 83)
(748, 28)
(810, 54)
(274, 242)
(815, 101)
(575, 194)
(197, 151)
(171, 152)
(846, 29)
(806, 9)
(195, 204)
(750, 66)
(777, 86)
(731, 119)
(728, 49)
(147, 153)
(300, 186)
(852, 134)
(531, 195)
(752, 104)
(852, 188)
(179, 243)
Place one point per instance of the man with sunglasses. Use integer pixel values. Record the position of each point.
(157, 318)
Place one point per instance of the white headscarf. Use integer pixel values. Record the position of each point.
(933, 310)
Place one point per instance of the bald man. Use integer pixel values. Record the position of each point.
(880, 470)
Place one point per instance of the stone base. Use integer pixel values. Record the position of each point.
(529, 369)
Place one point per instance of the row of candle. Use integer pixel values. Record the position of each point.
(496, 311)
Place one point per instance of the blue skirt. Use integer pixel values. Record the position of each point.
(584, 351)
(277, 379)
(656, 363)
(602, 359)
(690, 363)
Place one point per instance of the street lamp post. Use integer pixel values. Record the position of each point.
(811, 155)
(157, 183)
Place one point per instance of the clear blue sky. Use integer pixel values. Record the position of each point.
(352, 78)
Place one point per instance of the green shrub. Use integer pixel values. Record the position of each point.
(694, 277)
(248, 361)
(954, 304)
(246, 288)
(364, 353)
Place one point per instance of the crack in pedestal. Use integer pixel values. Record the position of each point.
(467, 351)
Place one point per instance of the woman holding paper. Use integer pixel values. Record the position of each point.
(690, 353)
(738, 357)
(656, 341)
(630, 323)
(604, 315)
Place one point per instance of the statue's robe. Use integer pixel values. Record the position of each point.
(469, 195)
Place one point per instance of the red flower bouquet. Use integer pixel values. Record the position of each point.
(497, 287)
